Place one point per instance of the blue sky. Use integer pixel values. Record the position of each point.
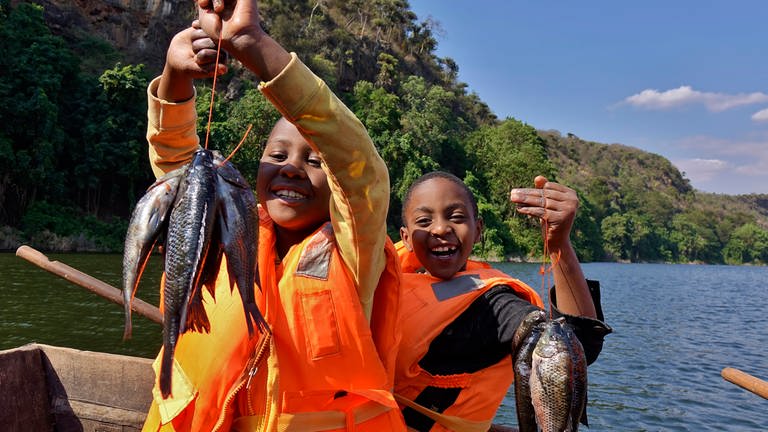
(684, 79)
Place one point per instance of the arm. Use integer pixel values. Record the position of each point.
(357, 175)
(557, 205)
(171, 113)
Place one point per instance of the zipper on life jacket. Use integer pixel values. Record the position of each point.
(249, 371)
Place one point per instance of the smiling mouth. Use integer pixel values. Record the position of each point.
(289, 194)
(443, 251)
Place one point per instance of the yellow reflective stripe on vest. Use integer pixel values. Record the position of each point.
(329, 420)
(456, 424)
(314, 421)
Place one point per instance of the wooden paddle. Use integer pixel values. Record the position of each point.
(746, 381)
(88, 282)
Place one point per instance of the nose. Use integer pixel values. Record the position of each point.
(440, 228)
(292, 169)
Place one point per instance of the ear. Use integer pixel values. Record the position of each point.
(406, 239)
(479, 229)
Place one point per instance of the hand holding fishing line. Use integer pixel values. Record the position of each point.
(556, 206)
(551, 202)
(238, 24)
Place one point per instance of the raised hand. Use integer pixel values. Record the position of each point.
(552, 202)
(238, 24)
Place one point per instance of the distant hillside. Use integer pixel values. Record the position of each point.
(82, 132)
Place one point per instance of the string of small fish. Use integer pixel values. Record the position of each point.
(203, 211)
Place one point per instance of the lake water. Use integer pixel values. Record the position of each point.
(675, 328)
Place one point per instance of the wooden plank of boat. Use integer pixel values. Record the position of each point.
(48, 388)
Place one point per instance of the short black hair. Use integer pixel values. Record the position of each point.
(438, 175)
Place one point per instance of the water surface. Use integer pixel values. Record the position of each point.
(675, 328)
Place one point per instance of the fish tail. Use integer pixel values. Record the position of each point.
(166, 371)
(253, 316)
(128, 326)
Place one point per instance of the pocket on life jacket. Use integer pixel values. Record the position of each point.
(322, 328)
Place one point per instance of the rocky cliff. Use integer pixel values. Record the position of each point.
(139, 30)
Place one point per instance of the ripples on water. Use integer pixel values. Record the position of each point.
(36, 306)
(675, 328)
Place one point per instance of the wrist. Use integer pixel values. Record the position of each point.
(175, 86)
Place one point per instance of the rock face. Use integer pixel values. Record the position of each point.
(139, 30)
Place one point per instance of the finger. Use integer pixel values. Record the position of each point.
(535, 211)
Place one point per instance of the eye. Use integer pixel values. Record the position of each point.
(458, 217)
(277, 156)
(422, 222)
(314, 161)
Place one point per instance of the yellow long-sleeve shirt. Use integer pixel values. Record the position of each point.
(357, 175)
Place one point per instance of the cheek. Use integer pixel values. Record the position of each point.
(320, 183)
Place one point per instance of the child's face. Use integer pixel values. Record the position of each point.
(440, 227)
(290, 184)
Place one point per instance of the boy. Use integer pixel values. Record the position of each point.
(459, 317)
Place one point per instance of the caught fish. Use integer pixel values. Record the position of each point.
(558, 380)
(149, 220)
(525, 339)
(214, 213)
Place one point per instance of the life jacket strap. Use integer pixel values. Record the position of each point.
(456, 424)
(317, 421)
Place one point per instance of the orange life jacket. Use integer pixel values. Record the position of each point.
(319, 370)
(429, 305)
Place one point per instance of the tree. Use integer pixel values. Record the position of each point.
(748, 244)
(37, 68)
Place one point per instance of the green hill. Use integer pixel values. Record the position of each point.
(73, 153)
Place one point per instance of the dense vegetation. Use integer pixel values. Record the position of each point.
(73, 154)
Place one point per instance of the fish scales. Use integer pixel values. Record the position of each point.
(558, 376)
(148, 220)
(525, 340)
(205, 210)
(189, 237)
(238, 232)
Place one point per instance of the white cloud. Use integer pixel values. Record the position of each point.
(725, 166)
(686, 95)
(760, 116)
(701, 170)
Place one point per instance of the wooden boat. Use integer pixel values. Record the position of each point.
(48, 388)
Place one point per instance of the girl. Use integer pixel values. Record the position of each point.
(327, 275)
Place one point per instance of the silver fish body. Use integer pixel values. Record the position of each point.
(238, 230)
(558, 380)
(525, 340)
(148, 221)
(207, 211)
(190, 230)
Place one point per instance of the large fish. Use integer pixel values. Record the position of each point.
(558, 381)
(214, 213)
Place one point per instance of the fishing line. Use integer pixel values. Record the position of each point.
(213, 93)
(546, 272)
(210, 108)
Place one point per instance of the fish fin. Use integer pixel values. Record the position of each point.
(584, 419)
(196, 317)
(210, 268)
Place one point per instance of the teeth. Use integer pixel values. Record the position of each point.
(443, 250)
(284, 193)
